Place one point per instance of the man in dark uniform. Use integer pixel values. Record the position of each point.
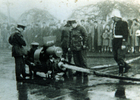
(65, 44)
(120, 34)
(17, 42)
(65, 41)
(78, 46)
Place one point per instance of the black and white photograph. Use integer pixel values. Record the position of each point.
(69, 49)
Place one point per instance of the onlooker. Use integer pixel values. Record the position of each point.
(135, 39)
(110, 36)
(105, 40)
(98, 31)
(130, 35)
(90, 34)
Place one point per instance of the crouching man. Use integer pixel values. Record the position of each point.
(29, 60)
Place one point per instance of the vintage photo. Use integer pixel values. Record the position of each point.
(69, 49)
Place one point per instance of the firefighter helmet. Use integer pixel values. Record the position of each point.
(116, 13)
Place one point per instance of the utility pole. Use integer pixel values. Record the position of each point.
(8, 10)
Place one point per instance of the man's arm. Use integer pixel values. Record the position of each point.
(84, 35)
(20, 39)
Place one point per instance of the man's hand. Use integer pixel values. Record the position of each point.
(123, 47)
(84, 47)
(123, 40)
(68, 49)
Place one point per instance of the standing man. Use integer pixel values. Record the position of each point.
(17, 42)
(135, 40)
(120, 34)
(65, 41)
(88, 31)
(65, 44)
(98, 31)
(78, 48)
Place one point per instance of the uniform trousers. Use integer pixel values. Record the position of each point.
(19, 67)
(119, 54)
(80, 60)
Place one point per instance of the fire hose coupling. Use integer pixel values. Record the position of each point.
(52, 59)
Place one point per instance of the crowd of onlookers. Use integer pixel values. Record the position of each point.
(99, 34)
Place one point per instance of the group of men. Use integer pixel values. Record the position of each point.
(78, 42)
(74, 42)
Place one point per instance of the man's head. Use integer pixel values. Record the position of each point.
(44, 23)
(34, 45)
(135, 21)
(82, 21)
(95, 23)
(74, 23)
(90, 20)
(20, 27)
(68, 23)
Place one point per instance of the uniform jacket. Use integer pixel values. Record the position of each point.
(65, 37)
(78, 38)
(121, 28)
(17, 42)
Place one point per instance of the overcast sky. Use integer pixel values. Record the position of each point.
(61, 9)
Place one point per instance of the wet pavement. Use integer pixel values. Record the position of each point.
(97, 88)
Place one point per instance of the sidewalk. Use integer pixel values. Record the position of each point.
(109, 55)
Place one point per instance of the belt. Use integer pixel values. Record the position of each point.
(117, 36)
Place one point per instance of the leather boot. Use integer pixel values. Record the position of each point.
(85, 78)
(79, 78)
(121, 70)
(127, 67)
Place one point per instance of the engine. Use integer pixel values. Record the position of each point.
(47, 53)
(45, 59)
